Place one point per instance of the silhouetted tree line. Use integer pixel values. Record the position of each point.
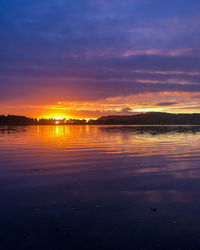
(22, 120)
(152, 118)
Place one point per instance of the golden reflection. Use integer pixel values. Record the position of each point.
(58, 131)
(120, 141)
(115, 141)
(147, 153)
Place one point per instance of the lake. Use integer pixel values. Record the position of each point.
(99, 187)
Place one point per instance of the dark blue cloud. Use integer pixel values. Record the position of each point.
(165, 103)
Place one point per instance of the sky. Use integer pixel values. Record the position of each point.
(88, 58)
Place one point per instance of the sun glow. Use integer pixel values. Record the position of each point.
(56, 115)
(59, 117)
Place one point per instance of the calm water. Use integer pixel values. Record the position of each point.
(99, 187)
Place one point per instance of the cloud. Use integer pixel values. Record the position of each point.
(126, 110)
(92, 50)
(165, 103)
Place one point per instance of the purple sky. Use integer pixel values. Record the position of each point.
(93, 57)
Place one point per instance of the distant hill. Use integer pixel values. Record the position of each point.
(151, 118)
(16, 120)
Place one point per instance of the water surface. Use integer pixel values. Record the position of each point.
(99, 187)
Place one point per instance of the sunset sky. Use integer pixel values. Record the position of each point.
(88, 58)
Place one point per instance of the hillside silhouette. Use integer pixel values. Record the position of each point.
(151, 118)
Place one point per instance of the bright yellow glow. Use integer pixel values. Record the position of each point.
(153, 109)
(57, 122)
(54, 116)
(58, 117)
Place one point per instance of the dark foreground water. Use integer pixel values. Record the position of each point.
(99, 187)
